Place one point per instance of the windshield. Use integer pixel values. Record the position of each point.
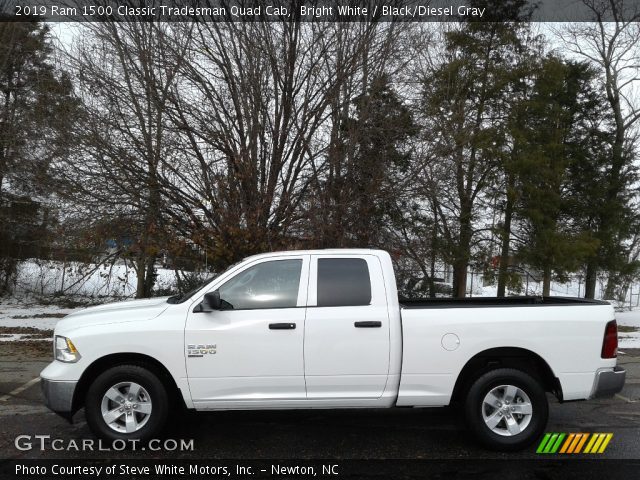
(183, 298)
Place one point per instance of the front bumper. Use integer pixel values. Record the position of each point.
(58, 395)
(608, 382)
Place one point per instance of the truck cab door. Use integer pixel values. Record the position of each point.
(250, 353)
(346, 342)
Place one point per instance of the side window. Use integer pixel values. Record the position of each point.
(266, 285)
(343, 282)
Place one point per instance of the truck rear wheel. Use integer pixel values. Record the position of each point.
(127, 402)
(506, 409)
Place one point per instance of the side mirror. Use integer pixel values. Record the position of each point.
(211, 302)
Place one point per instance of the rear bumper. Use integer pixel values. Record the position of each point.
(608, 382)
(58, 395)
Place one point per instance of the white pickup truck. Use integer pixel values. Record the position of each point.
(325, 329)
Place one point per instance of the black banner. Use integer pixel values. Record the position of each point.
(452, 469)
(319, 10)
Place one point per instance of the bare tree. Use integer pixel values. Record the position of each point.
(612, 44)
(116, 179)
(338, 186)
(252, 108)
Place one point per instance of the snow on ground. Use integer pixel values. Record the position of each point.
(43, 317)
(629, 318)
(68, 283)
(118, 280)
(19, 337)
(628, 340)
(628, 329)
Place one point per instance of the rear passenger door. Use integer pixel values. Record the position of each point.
(346, 341)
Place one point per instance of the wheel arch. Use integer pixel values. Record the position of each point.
(505, 357)
(124, 358)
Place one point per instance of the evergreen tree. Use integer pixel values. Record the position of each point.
(466, 99)
(37, 108)
(556, 130)
(379, 132)
(611, 44)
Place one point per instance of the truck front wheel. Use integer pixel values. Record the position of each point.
(127, 402)
(506, 409)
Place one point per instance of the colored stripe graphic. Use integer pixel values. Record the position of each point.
(544, 441)
(591, 443)
(605, 442)
(576, 439)
(555, 447)
(550, 443)
(581, 442)
(567, 442)
(573, 443)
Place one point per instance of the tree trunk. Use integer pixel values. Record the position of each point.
(145, 275)
(432, 276)
(140, 274)
(179, 283)
(546, 282)
(610, 289)
(150, 277)
(432, 263)
(590, 280)
(504, 251)
(461, 263)
(460, 279)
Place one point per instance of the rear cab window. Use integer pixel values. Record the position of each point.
(343, 282)
(346, 281)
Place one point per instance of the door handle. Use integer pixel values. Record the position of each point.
(368, 324)
(282, 326)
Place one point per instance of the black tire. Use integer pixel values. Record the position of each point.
(122, 374)
(474, 408)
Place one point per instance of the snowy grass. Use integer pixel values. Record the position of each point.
(46, 291)
(42, 317)
(629, 329)
(45, 278)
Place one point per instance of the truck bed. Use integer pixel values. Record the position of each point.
(515, 301)
(441, 335)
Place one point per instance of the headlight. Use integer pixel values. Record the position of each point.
(65, 350)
